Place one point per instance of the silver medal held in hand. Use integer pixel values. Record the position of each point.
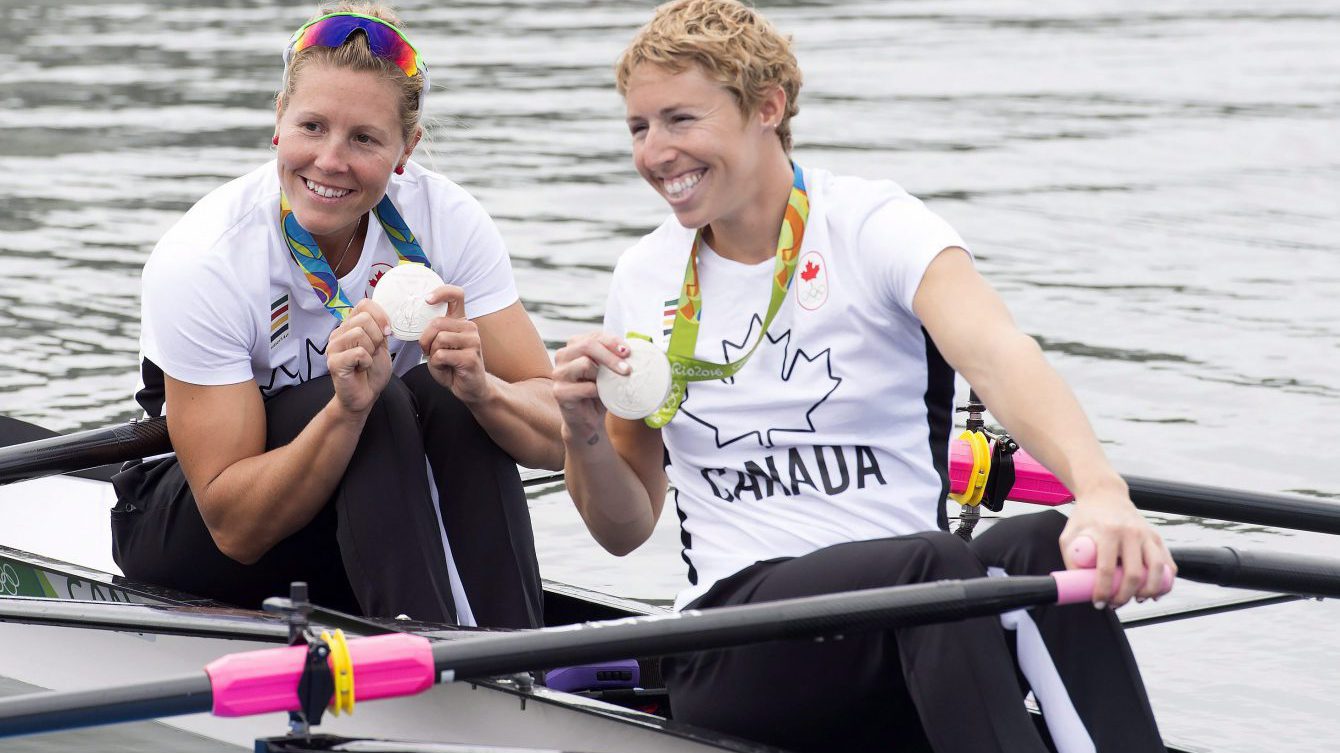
(402, 294)
(642, 391)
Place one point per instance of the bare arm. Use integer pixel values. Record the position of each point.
(977, 336)
(251, 499)
(497, 365)
(614, 467)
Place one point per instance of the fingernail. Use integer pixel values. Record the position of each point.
(1100, 605)
(386, 331)
(624, 368)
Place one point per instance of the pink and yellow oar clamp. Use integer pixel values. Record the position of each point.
(976, 461)
(968, 473)
(383, 666)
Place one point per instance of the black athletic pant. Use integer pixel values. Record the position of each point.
(375, 548)
(948, 687)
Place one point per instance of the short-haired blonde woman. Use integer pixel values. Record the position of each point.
(310, 443)
(815, 323)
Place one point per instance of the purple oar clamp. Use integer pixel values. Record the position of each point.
(621, 673)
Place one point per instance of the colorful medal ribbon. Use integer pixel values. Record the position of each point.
(684, 368)
(307, 255)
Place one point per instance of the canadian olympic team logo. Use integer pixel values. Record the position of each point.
(812, 281)
(375, 274)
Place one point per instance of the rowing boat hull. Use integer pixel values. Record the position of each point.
(66, 658)
(67, 654)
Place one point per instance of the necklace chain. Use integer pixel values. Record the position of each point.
(336, 266)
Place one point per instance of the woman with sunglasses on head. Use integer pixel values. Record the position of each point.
(314, 439)
(798, 394)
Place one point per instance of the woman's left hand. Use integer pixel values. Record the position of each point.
(452, 344)
(1123, 537)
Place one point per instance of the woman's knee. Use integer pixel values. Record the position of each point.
(289, 412)
(436, 403)
(919, 558)
(1024, 544)
(948, 556)
(396, 401)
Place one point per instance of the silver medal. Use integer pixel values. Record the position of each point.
(401, 293)
(642, 391)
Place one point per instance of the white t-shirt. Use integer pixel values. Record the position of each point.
(224, 302)
(837, 429)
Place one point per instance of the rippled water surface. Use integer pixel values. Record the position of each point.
(1154, 187)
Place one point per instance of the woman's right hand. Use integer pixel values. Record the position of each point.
(358, 359)
(575, 369)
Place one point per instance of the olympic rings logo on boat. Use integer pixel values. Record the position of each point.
(9, 580)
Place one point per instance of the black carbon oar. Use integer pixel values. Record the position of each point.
(1279, 510)
(70, 453)
(660, 635)
(596, 641)
(82, 450)
(144, 438)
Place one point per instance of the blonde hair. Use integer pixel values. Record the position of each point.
(355, 54)
(732, 43)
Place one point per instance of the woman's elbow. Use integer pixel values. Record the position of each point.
(238, 543)
(555, 458)
(621, 547)
(623, 540)
(243, 550)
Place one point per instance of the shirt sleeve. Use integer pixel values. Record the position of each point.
(616, 315)
(195, 325)
(901, 238)
(484, 270)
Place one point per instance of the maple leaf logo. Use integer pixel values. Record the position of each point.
(375, 276)
(793, 386)
(810, 271)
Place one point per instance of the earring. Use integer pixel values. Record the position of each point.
(399, 169)
(275, 140)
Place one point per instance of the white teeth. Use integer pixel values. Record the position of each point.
(326, 191)
(681, 185)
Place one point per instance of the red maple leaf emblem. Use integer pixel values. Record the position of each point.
(810, 271)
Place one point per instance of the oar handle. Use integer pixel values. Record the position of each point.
(1298, 574)
(1080, 585)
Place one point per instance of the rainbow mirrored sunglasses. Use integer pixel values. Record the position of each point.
(386, 41)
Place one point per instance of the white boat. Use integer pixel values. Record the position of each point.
(69, 621)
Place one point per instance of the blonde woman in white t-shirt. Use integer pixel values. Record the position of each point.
(312, 444)
(815, 460)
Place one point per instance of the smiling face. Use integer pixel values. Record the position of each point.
(693, 144)
(340, 136)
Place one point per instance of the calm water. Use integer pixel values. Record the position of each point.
(1154, 187)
